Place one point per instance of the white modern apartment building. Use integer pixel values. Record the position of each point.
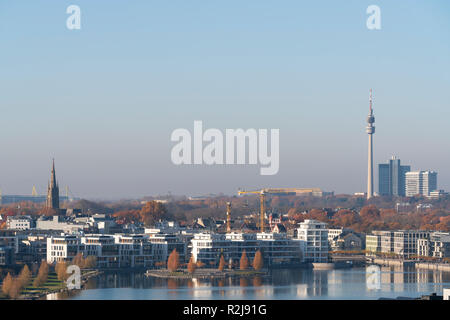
(420, 182)
(165, 243)
(276, 248)
(313, 236)
(405, 242)
(111, 251)
(437, 246)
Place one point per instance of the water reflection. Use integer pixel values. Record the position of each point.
(280, 284)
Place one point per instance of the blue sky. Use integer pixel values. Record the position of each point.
(104, 100)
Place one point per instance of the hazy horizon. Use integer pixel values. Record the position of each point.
(104, 100)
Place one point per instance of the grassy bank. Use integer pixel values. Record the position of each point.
(52, 285)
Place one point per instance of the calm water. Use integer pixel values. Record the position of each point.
(281, 284)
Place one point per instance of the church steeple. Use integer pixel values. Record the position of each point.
(54, 183)
(53, 190)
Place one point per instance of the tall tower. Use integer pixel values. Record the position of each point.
(228, 216)
(53, 191)
(370, 129)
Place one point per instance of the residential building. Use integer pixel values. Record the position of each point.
(32, 248)
(6, 256)
(169, 242)
(405, 242)
(391, 178)
(386, 240)
(314, 240)
(347, 241)
(336, 232)
(164, 227)
(373, 244)
(437, 246)
(276, 248)
(111, 251)
(60, 223)
(20, 223)
(10, 238)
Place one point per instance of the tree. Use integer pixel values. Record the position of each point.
(243, 263)
(90, 262)
(61, 270)
(191, 265)
(173, 261)
(42, 276)
(25, 276)
(16, 287)
(152, 212)
(221, 263)
(79, 260)
(258, 261)
(317, 214)
(7, 283)
(370, 213)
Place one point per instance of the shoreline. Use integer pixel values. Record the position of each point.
(42, 295)
(205, 274)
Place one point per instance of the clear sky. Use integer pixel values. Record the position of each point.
(104, 100)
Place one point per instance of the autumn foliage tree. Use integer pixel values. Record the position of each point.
(61, 270)
(191, 265)
(79, 260)
(243, 263)
(42, 275)
(370, 212)
(24, 276)
(173, 261)
(221, 263)
(152, 212)
(90, 262)
(7, 283)
(16, 288)
(258, 261)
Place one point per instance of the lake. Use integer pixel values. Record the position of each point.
(353, 283)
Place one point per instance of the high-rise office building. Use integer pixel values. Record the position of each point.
(391, 178)
(420, 182)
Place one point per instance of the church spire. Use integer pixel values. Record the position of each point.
(54, 183)
(53, 190)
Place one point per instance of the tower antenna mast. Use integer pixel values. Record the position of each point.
(370, 129)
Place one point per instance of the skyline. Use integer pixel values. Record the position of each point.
(104, 100)
(52, 184)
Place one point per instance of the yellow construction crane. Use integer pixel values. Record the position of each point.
(278, 191)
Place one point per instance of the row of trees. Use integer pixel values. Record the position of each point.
(13, 286)
(173, 262)
(257, 261)
(84, 263)
(79, 260)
